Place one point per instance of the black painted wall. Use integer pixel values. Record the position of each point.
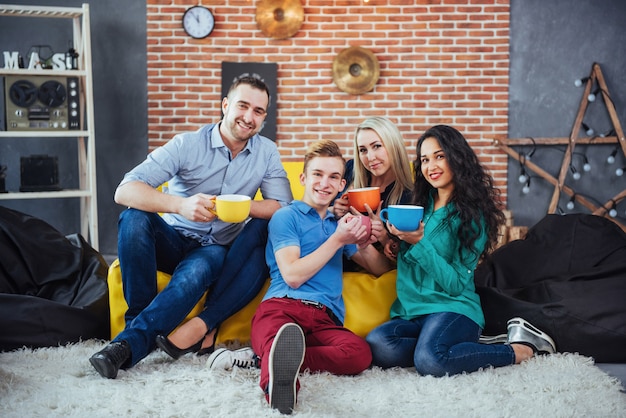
(553, 43)
(118, 41)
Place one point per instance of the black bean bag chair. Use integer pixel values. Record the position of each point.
(53, 288)
(567, 277)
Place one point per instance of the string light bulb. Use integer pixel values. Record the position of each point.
(571, 204)
(592, 96)
(579, 82)
(613, 210)
(589, 131)
(620, 171)
(611, 158)
(532, 151)
(526, 187)
(523, 178)
(586, 165)
(575, 173)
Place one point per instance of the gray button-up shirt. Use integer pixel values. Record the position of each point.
(199, 162)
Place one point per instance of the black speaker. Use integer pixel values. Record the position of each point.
(39, 173)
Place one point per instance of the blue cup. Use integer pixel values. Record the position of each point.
(404, 217)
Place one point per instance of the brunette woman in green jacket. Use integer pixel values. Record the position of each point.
(436, 320)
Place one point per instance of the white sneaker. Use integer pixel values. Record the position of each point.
(226, 359)
(286, 357)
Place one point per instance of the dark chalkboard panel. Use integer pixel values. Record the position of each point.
(553, 43)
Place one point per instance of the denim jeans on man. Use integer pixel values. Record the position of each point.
(243, 275)
(146, 243)
(436, 344)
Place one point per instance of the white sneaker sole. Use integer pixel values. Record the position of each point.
(286, 357)
(493, 339)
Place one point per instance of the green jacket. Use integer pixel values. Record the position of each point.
(432, 277)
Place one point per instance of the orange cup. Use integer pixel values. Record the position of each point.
(359, 197)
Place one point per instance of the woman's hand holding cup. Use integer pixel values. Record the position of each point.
(411, 237)
(341, 206)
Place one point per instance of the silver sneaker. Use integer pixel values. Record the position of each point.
(522, 332)
(285, 360)
(227, 359)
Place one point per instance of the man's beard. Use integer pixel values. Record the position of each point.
(235, 129)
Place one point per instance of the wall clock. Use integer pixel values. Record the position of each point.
(198, 22)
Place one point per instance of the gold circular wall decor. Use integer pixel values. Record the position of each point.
(279, 19)
(356, 70)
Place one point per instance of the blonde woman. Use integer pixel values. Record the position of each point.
(382, 162)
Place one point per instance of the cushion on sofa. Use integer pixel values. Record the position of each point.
(367, 300)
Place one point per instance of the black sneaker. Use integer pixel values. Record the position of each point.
(108, 361)
(286, 357)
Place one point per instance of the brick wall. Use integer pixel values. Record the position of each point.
(441, 62)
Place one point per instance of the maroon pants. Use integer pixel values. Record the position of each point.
(329, 347)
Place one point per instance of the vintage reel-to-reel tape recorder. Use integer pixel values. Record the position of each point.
(42, 103)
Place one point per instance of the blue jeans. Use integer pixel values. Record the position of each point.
(436, 344)
(243, 275)
(146, 244)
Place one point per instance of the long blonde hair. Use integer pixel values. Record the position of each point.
(394, 144)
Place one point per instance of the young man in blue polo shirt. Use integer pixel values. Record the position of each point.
(299, 323)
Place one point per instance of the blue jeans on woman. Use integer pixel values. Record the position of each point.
(146, 243)
(436, 344)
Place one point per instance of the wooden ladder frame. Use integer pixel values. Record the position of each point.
(559, 182)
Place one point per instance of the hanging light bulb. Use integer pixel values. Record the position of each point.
(570, 204)
(526, 187)
(586, 165)
(589, 131)
(579, 82)
(575, 173)
(592, 95)
(523, 178)
(532, 151)
(611, 158)
(620, 171)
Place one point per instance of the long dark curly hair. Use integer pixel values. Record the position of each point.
(474, 196)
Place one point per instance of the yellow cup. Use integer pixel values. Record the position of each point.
(233, 208)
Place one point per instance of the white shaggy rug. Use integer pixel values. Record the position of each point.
(60, 382)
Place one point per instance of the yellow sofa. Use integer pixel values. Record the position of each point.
(367, 298)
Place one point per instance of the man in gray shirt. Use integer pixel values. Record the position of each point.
(188, 241)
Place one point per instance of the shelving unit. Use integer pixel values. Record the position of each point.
(85, 134)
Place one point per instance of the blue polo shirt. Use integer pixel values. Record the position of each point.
(300, 225)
